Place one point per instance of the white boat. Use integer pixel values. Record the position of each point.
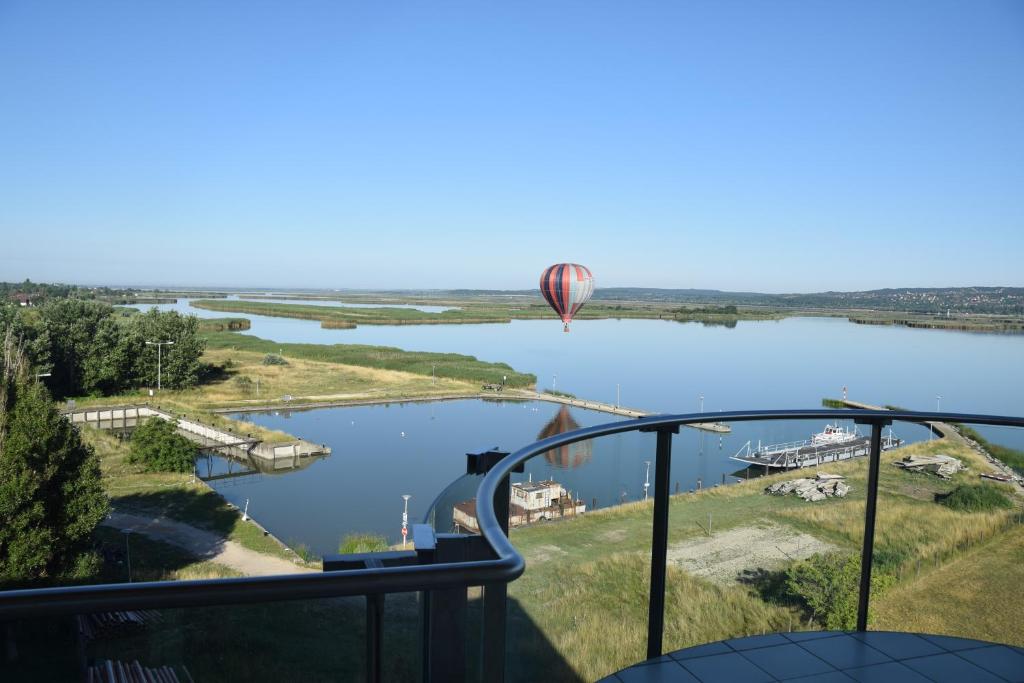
(833, 434)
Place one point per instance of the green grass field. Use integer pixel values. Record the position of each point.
(447, 365)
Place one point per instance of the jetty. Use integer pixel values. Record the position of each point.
(493, 394)
(210, 439)
(717, 427)
(941, 429)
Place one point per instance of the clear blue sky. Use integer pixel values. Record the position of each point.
(769, 146)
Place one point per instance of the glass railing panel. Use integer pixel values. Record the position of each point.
(295, 640)
(949, 536)
(580, 609)
(737, 548)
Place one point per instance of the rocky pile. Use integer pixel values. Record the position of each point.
(944, 466)
(821, 487)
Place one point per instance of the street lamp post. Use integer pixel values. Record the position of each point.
(647, 478)
(405, 519)
(554, 382)
(159, 357)
(432, 377)
(701, 398)
(616, 395)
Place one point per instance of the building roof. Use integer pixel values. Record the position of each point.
(530, 486)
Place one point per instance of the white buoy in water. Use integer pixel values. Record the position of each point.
(403, 435)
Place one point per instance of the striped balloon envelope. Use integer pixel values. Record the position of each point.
(566, 287)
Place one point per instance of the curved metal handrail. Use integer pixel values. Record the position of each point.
(506, 566)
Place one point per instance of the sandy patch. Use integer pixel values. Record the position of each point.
(544, 553)
(724, 556)
(615, 535)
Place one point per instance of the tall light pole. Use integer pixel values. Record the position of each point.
(701, 399)
(647, 478)
(432, 377)
(405, 519)
(616, 395)
(554, 382)
(159, 357)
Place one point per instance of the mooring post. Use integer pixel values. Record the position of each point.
(868, 547)
(659, 539)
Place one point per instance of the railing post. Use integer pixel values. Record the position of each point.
(659, 541)
(445, 620)
(868, 547)
(374, 636)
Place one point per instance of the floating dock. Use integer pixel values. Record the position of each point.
(798, 454)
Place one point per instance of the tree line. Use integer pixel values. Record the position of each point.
(87, 350)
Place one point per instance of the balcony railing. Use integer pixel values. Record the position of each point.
(443, 566)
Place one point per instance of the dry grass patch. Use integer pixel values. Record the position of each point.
(975, 595)
(314, 380)
(595, 616)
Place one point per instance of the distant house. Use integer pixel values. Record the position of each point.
(529, 502)
(22, 299)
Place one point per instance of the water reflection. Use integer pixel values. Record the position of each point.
(572, 455)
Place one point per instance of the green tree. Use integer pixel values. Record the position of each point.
(51, 497)
(180, 364)
(157, 446)
(78, 333)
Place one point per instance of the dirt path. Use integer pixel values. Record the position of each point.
(206, 545)
(726, 555)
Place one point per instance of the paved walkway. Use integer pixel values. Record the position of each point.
(206, 545)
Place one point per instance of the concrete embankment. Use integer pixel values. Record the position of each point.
(506, 395)
(206, 436)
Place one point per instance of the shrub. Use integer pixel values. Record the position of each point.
(274, 359)
(976, 498)
(244, 383)
(829, 585)
(158, 447)
(363, 543)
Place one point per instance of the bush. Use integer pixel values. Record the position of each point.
(274, 359)
(158, 447)
(363, 543)
(976, 498)
(244, 383)
(829, 586)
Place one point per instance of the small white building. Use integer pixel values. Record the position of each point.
(529, 502)
(536, 495)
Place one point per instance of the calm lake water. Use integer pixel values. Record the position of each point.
(658, 365)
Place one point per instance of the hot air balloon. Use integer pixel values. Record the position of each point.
(566, 287)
